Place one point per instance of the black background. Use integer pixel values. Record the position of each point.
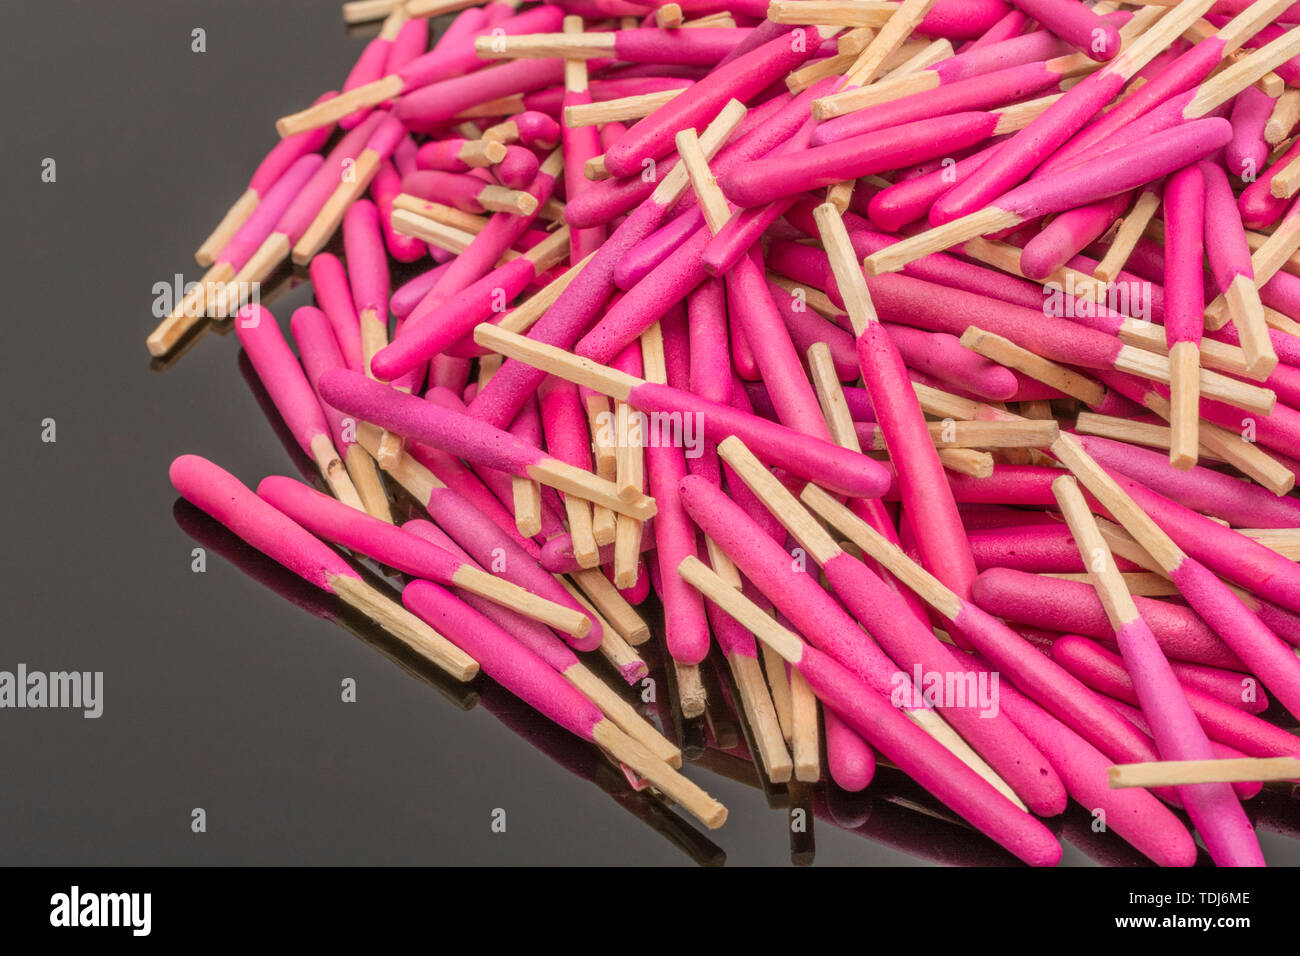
(217, 692)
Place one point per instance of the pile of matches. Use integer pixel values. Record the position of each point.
(905, 350)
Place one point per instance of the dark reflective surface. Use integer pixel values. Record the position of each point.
(222, 689)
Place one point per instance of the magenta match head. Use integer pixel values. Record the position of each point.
(279, 371)
(363, 244)
(275, 201)
(227, 499)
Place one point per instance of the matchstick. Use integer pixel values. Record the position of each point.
(1175, 773)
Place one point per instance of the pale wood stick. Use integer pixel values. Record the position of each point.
(891, 36)
(1226, 84)
(436, 8)
(261, 265)
(507, 594)
(921, 55)
(1122, 508)
(526, 499)
(330, 217)
(830, 396)
(575, 68)
(1146, 434)
(332, 110)
(1287, 182)
(1180, 773)
(235, 217)
(804, 77)
(566, 46)
(790, 647)
(1130, 231)
(967, 461)
(1216, 355)
(585, 549)
(805, 736)
(669, 16)
(815, 299)
(629, 455)
(1185, 404)
(577, 481)
(721, 19)
(1285, 541)
(594, 168)
(523, 316)
(627, 551)
(1247, 313)
(192, 308)
(712, 202)
(603, 521)
(779, 684)
(884, 91)
(985, 434)
(436, 233)
(505, 132)
(747, 678)
(361, 11)
(1005, 352)
(364, 472)
(503, 106)
(1019, 115)
(1285, 115)
(514, 202)
(623, 618)
(1243, 395)
(1139, 583)
(860, 13)
(617, 110)
(680, 789)
(848, 277)
(894, 257)
(623, 714)
(691, 695)
(1097, 557)
(1004, 256)
(334, 471)
(438, 212)
(841, 194)
(614, 646)
(854, 41)
(405, 626)
(481, 152)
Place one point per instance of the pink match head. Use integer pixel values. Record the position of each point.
(363, 244)
(1225, 238)
(518, 169)
(537, 130)
(280, 372)
(1184, 207)
(226, 498)
(319, 351)
(275, 201)
(335, 298)
(288, 151)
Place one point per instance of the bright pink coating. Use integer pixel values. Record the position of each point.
(451, 189)
(912, 645)
(384, 188)
(1244, 790)
(319, 351)
(1238, 558)
(1104, 670)
(535, 636)
(363, 244)
(1248, 152)
(962, 19)
(227, 499)
(286, 153)
(709, 350)
(1076, 24)
(1214, 808)
(537, 130)
(334, 294)
(911, 199)
(972, 95)
(427, 107)
(1150, 157)
(1073, 607)
(1225, 238)
(1184, 206)
(368, 68)
(740, 234)
(408, 295)
(453, 54)
(557, 553)
(1133, 813)
(565, 423)
(326, 179)
(450, 431)
(836, 469)
(981, 58)
(741, 79)
(650, 253)
(944, 357)
(250, 236)
(921, 757)
(754, 311)
(850, 761)
(456, 476)
(922, 482)
(909, 301)
(1045, 548)
(566, 320)
(1069, 234)
(580, 144)
(331, 520)
(1241, 503)
(702, 46)
(1263, 653)
(280, 372)
(1011, 25)
(807, 327)
(443, 154)
(1029, 147)
(768, 179)
(1259, 207)
(795, 592)
(412, 41)
(518, 169)
(446, 319)
(503, 658)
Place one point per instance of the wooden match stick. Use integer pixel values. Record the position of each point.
(1147, 434)
(1285, 115)
(859, 13)
(1131, 228)
(1005, 352)
(612, 605)
(616, 110)
(896, 29)
(1179, 773)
